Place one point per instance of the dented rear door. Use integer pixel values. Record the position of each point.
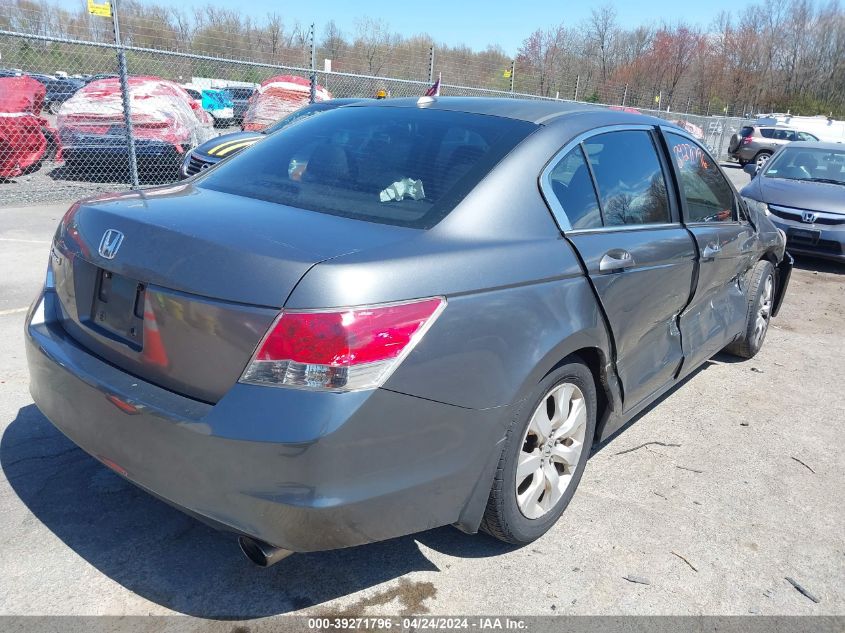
(640, 258)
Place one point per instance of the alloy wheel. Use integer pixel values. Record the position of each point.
(761, 160)
(551, 450)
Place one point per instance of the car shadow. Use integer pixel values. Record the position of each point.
(817, 264)
(180, 563)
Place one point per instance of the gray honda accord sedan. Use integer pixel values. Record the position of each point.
(397, 315)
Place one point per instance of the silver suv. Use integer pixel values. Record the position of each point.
(756, 143)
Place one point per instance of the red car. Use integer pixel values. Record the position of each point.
(166, 123)
(26, 139)
(276, 98)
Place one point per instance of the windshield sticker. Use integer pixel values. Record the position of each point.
(401, 189)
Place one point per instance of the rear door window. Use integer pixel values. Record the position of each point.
(708, 196)
(395, 165)
(629, 177)
(573, 188)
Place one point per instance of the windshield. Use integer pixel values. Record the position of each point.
(808, 163)
(404, 166)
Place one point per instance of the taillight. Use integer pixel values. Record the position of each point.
(342, 349)
(746, 140)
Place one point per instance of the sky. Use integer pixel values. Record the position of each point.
(475, 23)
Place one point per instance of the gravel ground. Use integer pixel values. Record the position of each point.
(746, 491)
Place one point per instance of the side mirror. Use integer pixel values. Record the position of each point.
(751, 169)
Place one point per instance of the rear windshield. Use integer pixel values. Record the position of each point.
(746, 131)
(404, 166)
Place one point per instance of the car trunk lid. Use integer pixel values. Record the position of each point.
(185, 296)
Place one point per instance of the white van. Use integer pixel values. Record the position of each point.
(822, 127)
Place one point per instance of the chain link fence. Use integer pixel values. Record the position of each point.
(91, 128)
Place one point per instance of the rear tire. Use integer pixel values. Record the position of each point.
(761, 295)
(761, 159)
(545, 453)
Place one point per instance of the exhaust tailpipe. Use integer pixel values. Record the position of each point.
(261, 553)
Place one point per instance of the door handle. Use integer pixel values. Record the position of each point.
(616, 259)
(710, 250)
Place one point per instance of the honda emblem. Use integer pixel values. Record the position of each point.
(112, 239)
(808, 216)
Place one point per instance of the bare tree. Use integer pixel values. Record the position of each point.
(601, 32)
(274, 31)
(542, 53)
(333, 42)
(374, 39)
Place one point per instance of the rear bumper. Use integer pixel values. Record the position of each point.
(744, 152)
(109, 150)
(303, 471)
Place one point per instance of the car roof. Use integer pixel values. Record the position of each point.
(343, 101)
(531, 110)
(816, 145)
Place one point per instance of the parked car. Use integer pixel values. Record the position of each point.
(166, 124)
(228, 145)
(825, 128)
(59, 90)
(277, 97)
(26, 138)
(756, 144)
(240, 100)
(431, 324)
(802, 190)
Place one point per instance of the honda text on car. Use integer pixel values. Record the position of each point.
(397, 315)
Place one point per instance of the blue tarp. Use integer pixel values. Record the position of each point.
(215, 100)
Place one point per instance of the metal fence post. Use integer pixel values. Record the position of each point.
(124, 93)
(431, 63)
(577, 83)
(513, 72)
(313, 95)
(624, 95)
